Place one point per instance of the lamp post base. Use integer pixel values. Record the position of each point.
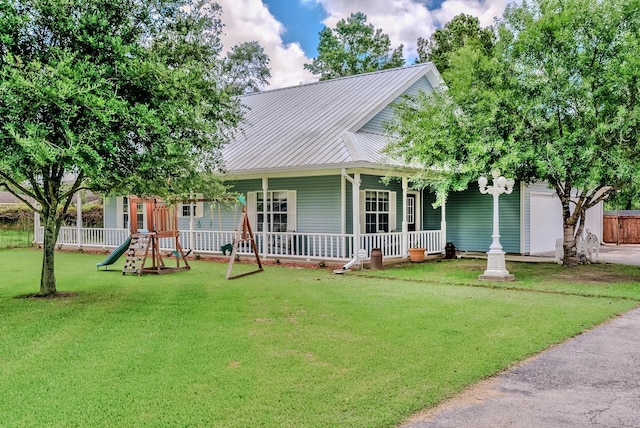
(496, 268)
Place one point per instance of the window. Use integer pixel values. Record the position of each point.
(276, 211)
(377, 208)
(184, 209)
(141, 214)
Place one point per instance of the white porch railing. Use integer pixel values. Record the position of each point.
(317, 246)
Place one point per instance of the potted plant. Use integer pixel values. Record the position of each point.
(416, 254)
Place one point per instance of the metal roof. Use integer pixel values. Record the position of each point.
(317, 124)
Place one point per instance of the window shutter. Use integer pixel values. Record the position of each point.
(119, 212)
(199, 206)
(362, 212)
(252, 202)
(179, 208)
(393, 225)
(291, 211)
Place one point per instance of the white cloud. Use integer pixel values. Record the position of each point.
(403, 20)
(248, 20)
(406, 20)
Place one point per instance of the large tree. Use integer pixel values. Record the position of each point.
(460, 31)
(107, 95)
(245, 69)
(555, 100)
(354, 47)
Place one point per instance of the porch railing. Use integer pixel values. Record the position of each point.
(313, 246)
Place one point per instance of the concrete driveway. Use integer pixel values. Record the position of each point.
(628, 254)
(592, 380)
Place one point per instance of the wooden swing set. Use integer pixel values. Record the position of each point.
(161, 223)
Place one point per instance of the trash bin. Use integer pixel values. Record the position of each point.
(449, 251)
(376, 259)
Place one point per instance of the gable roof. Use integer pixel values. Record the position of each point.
(318, 125)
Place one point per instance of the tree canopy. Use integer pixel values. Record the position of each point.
(245, 68)
(460, 31)
(353, 47)
(555, 100)
(108, 95)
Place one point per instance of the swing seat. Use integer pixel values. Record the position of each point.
(225, 248)
(177, 254)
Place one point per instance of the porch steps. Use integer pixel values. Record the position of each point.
(137, 253)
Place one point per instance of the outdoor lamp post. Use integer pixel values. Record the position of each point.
(496, 267)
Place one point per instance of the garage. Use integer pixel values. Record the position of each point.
(546, 222)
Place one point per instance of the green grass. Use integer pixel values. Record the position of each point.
(283, 348)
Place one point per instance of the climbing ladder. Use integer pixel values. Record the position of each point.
(137, 253)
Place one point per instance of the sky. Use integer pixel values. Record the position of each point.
(288, 29)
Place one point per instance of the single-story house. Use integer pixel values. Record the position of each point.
(308, 160)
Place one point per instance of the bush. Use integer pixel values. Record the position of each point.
(20, 217)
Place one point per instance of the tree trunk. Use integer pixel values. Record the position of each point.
(569, 246)
(570, 258)
(47, 275)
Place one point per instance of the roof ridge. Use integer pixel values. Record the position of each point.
(318, 82)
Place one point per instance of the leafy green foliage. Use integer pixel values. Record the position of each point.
(460, 31)
(353, 47)
(107, 95)
(555, 100)
(245, 69)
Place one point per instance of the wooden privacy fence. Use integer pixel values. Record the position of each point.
(621, 227)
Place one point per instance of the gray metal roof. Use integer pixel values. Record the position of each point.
(317, 124)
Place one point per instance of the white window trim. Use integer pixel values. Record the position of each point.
(292, 209)
(393, 201)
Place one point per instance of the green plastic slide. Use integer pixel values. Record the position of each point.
(115, 254)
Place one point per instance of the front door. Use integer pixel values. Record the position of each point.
(411, 213)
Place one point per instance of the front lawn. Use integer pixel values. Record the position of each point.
(284, 348)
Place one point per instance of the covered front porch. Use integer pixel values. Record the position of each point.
(283, 245)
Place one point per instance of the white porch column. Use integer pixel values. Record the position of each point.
(443, 225)
(405, 223)
(343, 212)
(356, 213)
(36, 224)
(79, 219)
(265, 224)
(191, 231)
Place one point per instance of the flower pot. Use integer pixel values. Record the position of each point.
(416, 254)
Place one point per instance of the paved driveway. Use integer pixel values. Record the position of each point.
(592, 380)
(625, 254)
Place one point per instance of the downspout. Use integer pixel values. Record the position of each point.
(355, 199)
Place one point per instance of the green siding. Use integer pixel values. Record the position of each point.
(317, 200)
(470, 220)
(376, 124)
(431, 217)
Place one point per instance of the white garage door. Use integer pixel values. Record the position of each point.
(546, 222)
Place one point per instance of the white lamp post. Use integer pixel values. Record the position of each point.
(496, 266)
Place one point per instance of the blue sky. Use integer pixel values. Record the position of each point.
(303, 22)
(288, 29)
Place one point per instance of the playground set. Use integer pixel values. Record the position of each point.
(162, 223)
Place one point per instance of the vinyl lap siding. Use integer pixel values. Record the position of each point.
(317, 200)
(470, 220)
(376, 124)
(431, 217)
